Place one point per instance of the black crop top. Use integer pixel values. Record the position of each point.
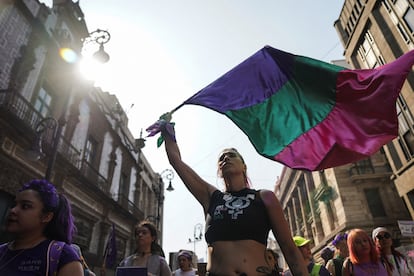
(235, 216)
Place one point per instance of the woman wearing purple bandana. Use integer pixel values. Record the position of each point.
(41, 222)
(334, 265)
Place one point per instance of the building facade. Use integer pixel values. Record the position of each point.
(377, 191)
(56, 125)
(374, 33)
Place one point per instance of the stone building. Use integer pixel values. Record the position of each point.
(56, 125)
(374, 33)
(376, 191)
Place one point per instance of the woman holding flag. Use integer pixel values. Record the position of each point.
(238, 220)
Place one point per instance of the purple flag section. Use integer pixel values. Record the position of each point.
(110, 249)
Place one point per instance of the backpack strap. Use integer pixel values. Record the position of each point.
(349, 266)
(337, 263)
(3, 248)
(53, 255)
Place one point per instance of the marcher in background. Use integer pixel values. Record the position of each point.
(42, 224)
(363, 258)
(238, 219)
(314, 269)
(334, 265)
(148, 253)
(396, 261)
(185, 263)
(272, 259)
(327, 254)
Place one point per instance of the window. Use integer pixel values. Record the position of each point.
(84, 232)
(405, 128)
(394, 156)
(409, 18)
(369, 52)
(42, 102)
(90, 150)
(374, 202)
(123, 186)
(364, 167)
(410, 196)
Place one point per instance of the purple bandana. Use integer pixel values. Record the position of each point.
(46, 190)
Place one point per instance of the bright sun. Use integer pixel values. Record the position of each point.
(91, 69)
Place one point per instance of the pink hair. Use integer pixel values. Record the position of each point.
(361, 234)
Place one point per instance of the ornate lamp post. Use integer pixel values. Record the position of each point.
(47, 130)
(101, 37)
(158, 189)
(169, 175)
(197, 236)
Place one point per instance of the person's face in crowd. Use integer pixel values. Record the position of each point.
(143, 237)
(270, 259)
(383, 240)
(362, 245)
(27, 214)
(184, 263)
(342, 248)
(306, 252)
(230, 162)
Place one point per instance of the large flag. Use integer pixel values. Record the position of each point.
(308, 114)
(110, 250)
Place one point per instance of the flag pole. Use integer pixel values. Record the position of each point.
(175, 109)
(103, 268)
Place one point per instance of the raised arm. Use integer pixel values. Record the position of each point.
(282, 234)
(200, 189)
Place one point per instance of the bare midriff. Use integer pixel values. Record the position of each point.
(231, 258)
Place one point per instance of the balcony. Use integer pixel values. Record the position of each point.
(361, 173)
(20, 112)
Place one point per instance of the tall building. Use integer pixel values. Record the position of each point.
(374, 33)
(376, 191)
(56, 125)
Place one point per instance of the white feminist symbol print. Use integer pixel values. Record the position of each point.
(236, 204)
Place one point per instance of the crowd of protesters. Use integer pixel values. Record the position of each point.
(43, 228)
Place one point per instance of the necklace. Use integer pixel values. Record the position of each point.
(12, 258)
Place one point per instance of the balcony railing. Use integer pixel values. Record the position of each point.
(19, 108)
(129, 205)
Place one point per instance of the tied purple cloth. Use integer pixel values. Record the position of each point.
(46, 190)
(163, 126)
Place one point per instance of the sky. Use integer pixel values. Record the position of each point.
(162, 52)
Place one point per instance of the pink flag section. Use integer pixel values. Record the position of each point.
(363, 120)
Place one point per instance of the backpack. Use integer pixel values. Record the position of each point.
(338, 266)
(54, 250)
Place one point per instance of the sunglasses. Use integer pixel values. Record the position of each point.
(385, 236)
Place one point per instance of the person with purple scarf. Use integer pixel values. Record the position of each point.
(42, 224)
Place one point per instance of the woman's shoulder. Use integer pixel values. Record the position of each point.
(156, 257)
(127, 261)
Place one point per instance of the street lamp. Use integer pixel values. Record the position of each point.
(158, 190)
(169, 175)
(198, 235)
(101, 37)
(47, 130)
